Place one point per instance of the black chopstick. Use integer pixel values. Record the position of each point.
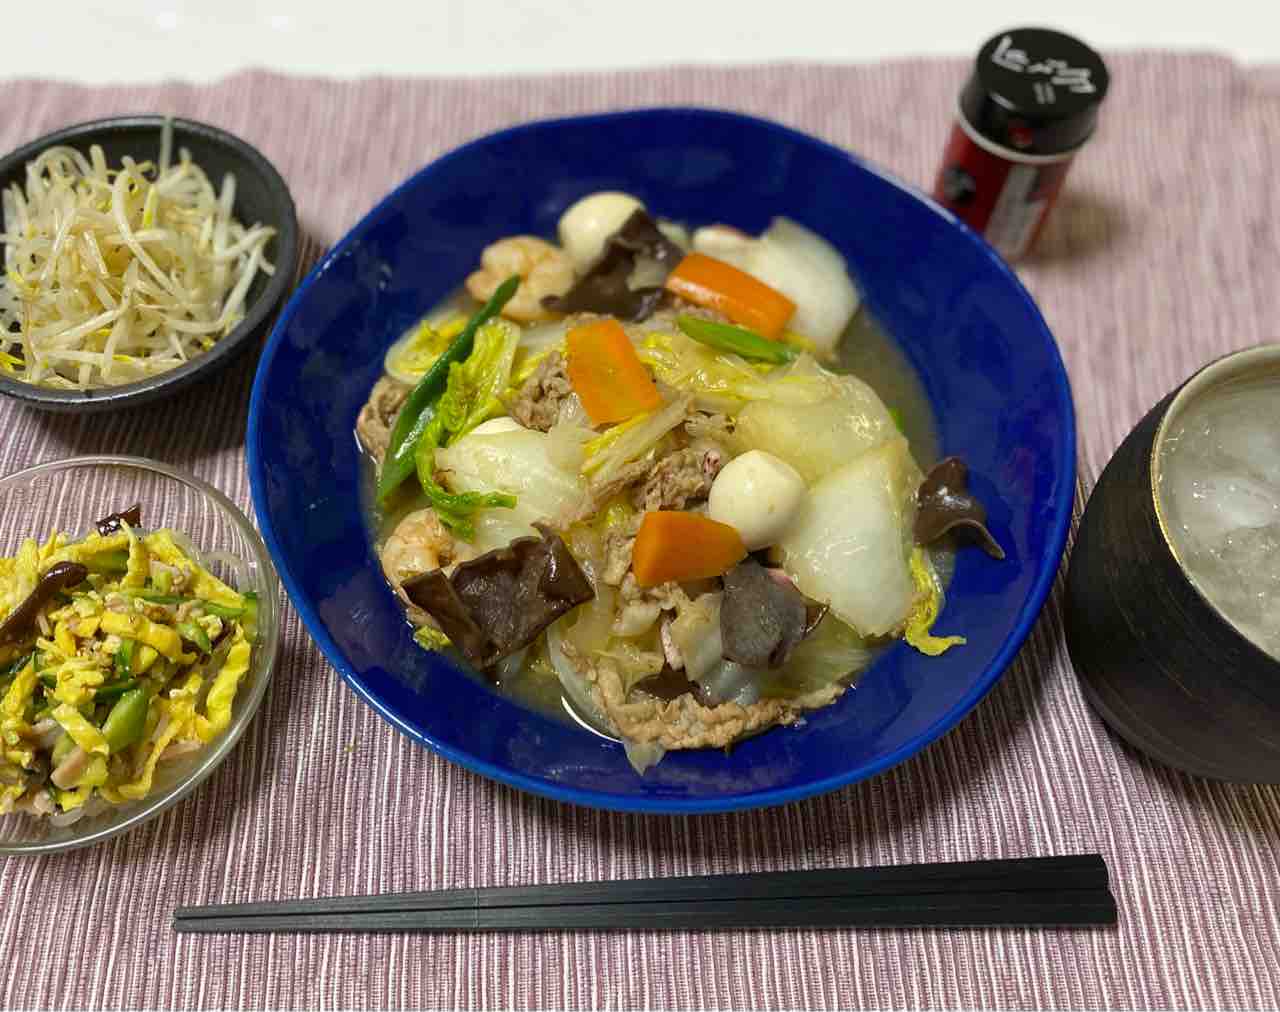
(1022, 891)
(1077, 871)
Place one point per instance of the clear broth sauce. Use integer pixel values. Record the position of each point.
(866, 351)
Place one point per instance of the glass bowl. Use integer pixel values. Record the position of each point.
(68, 495)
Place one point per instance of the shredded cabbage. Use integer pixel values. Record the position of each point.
(430, 638)
(569, 436)
(925, 611)
(610, 452)
(470, 397)
(412, 355)
(113, 275)
(723, 382)
(829, 654)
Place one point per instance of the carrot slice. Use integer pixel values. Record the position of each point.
(714, 284)
(606, 374)
(680, 546)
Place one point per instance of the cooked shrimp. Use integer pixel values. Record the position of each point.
(544, 270)
(420, 544)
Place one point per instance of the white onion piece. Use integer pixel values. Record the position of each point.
(64, 819)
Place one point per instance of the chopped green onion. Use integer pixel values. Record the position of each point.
(116, 561)
(113, 690)
(221, 610)
(155, 596)
(249, 621)
(124, 659)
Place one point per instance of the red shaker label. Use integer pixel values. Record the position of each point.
(1004, 198)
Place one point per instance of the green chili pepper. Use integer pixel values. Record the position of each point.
(419, 407)
(221, 610)
(739, 340)
(156, 596)
(249, 621)
(62, 748)
(163, 580)
(896, 415)
(116, 561)
(124, 659)
(127, 721)
(192, 633)
(114, 690)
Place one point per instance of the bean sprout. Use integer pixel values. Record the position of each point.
(114, 275)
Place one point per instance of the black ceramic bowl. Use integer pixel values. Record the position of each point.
(1159, 662)
(261, 196)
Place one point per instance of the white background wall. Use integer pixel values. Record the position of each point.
(147, 40)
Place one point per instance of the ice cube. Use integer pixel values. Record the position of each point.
(1240, 575)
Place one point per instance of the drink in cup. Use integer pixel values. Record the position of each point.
(1173, 593)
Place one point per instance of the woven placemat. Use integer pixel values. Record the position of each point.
(1163, 254)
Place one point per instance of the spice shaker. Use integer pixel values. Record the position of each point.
(1029, 105)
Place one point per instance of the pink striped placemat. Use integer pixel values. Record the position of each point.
(1163, 255)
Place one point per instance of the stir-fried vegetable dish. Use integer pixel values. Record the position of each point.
(628, 465)
(119, 652)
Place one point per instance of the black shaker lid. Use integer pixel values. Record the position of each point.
(1035, 90)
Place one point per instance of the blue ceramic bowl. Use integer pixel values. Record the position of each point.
(988, 364)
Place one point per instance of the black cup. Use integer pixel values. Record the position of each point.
(1159, 662)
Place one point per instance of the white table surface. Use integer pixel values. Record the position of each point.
(154, 40)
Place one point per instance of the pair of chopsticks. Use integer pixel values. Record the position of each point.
(1046, 891)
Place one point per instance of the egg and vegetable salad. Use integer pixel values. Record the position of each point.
(628, 463)
(119, 652)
